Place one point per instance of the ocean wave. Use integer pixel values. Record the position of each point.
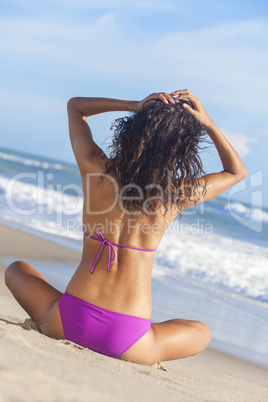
(44, 209)
(217, 261)
(24, 197)
(30, 162)
(253, 213)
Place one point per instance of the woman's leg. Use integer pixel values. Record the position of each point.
(180, 338)
(170, 340)
(36, 296)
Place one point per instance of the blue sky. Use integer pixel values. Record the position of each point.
(54, 50)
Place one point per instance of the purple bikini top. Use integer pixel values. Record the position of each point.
(111, 246)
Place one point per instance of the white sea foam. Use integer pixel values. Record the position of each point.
(30, 162)
(217, 261)
(249, 213)
(44, 209)
(209, 258)
(197, 255)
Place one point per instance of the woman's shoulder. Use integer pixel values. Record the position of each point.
(95, 164)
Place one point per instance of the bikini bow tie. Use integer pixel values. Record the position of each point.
(104, 242)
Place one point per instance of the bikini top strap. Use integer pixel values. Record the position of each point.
(111, 246)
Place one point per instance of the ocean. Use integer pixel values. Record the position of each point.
(212, 265)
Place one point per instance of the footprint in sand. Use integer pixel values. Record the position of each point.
(65, 342)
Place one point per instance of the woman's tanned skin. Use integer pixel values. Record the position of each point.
(126, 288)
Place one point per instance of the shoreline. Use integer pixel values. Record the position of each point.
(36, 367)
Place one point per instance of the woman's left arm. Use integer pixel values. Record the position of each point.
(85, 149)
(92, 106)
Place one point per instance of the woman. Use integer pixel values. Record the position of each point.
(129, 200)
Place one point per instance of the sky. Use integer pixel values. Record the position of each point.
(54, 50)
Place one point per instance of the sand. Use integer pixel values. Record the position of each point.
(34, 367)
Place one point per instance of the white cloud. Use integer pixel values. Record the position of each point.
(238, 141)
(221, 64)
(225, 62)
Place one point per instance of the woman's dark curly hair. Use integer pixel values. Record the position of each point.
(154, 153)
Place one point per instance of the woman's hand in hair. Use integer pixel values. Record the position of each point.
(197, 110)
(164, 96)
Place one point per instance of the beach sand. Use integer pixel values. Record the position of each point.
(34, 367)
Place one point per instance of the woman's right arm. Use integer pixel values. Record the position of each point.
(231, 161)
(234, 169)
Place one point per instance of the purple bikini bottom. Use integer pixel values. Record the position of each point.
(99, 329)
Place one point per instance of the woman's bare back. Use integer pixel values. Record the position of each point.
(126, 287)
